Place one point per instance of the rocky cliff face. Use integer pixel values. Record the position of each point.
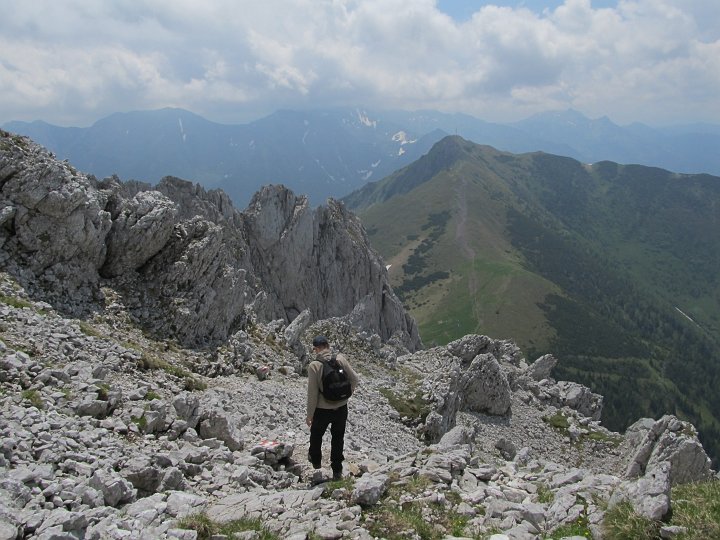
(187, 265)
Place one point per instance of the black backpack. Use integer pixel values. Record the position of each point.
(335, 382)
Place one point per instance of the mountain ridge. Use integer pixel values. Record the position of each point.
(332, 152)
(593, 262)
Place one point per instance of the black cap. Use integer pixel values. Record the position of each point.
(320, 341)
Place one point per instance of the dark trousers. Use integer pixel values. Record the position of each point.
(336, 419)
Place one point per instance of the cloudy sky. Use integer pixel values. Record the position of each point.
(71, 62)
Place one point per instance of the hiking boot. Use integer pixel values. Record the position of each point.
(337, 475)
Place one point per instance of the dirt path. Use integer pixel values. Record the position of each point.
(461, 238)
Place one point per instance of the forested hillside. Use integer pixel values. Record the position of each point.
(611, 268)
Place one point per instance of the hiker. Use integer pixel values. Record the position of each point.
(322, 411)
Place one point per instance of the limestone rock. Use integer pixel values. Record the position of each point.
(541, 368)
(485, 386)
(114, 488)
(185, 262)
(469, 346)
(668, 440)
(220, 418)
(55, 223)
(141, 227)
(649, 494)
(369, 488)
(327, 248)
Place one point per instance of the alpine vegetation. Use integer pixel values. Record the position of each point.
(154, 345)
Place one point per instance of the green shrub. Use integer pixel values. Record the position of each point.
(558, 421)
(151, 395)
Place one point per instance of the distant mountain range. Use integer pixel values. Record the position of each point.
(330, 153)
(612, 268)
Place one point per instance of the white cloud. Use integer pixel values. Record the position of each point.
(73, 61)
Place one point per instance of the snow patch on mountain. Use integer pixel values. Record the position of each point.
(365, 120)
(402, 138)
(182, 131)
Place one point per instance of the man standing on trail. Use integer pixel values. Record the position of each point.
(323, 406)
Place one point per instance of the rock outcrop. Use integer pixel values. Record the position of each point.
(188, 265)
(479, 374)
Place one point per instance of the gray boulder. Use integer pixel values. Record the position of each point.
(369, 488)
(115, 488)
(668, 440)
(468, 347)
(541, 368)
(142, 474)
(649, 494)
(485, 387)
(220, 417)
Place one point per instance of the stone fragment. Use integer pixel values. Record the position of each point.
(369, 488)
(115, 488)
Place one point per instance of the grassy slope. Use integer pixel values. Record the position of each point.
(488, 290)
(588, 263)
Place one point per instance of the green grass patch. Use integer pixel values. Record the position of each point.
(15, 302)
(544, 494)
(558, 421)
(392, 523)
(347, 483)
(697, 507)
(190, 381)
(89, 330)
(206, 528)
(412, 407)
(139, 421)
(622, 523)
(427, 521)
(151, 395)
(414, 486)
(599, 436)
(579, 527)
(33, 397)
(103, 391)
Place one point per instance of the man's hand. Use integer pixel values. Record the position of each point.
(308, 421)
